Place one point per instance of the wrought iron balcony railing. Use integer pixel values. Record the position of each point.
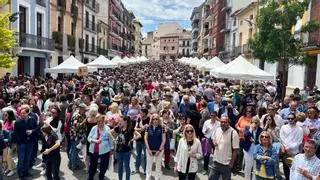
(36, 42)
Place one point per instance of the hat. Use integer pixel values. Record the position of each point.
(236, 88)
(82, 105)
(167, 88)
(117, 98)
(166, 104)
(155, 99)
(168, 94)
(229, 100)
(242, 93)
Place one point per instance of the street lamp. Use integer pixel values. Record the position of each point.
(14, 16)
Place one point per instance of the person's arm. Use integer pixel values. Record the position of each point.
(163, 141)
(235, 147)
(136, 135)
(55, 146)
(199, 150)
(147, 143)
(90, 136)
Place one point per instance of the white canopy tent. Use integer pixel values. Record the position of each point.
(70, 65)
(192, 61)
(133, 60)
(196, 63)
(102, 62)
(211, 64)
(143, 59)
(241, 69)
(119, 61)
(126, 59)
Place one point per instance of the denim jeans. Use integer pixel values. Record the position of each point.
(24, 157)
(140, 146)
(124, 160)
(73, 155)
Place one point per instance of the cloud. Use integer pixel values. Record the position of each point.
(162, 10)
(146, 21)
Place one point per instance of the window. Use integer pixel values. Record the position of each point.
(187, 52)
(172, 48)
(164, 48)
(234, 39)
(87, 42)
(240, 39)
(60, 60)
(183, 43)
(250, 33)
(183, 52)
(251, 16)
(39, 24)
(23, 20)
(188, 43)
(234, 21)
(241, 22)
(87, 19)
(72, 29)
(93, 23)
(59, 24)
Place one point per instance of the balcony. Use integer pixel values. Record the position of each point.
(206, 32)
(74, 11)
(194, 41)
(91, 49)
(225, 27)
(246, 49)
(93, 5)
(311, 45)
(91, 26)
(115, 47)
(71, 42)
(41, 3)
(36, 42)
(238, 50)
(116, 16)
(102, 51)
(227, 5)
(205, 50)
(195, 30)
(196, 17)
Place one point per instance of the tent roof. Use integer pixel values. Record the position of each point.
(241, 69)
(212, 63)
(70, 65)
(102, 62)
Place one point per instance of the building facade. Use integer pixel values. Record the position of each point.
(66, 29)
(195, 24)
(115, 25)
(146, 46)
(162, 31)
(169, 47)
(137, 38)
(185, 44)
(33, 36)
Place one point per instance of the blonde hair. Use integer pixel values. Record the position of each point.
(267, 133)
(93, 111)
(255, 119)
(185, 129)
(114, 106)
(155, 116)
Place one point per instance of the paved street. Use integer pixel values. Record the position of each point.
(66, 174)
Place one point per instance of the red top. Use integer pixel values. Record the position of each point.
(96, 145)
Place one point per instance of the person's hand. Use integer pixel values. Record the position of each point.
(150, 152)
(303, 171)
(175, 169)
(215, 142)
(46, 152)
(231, 164)
(157, 153)
(207, 130)
(192, 154)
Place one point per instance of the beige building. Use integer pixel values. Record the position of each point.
(185, 44)
(138, 38)
(169, 47)
(146, 46)
(161, 31)
(246, 17)
(103, 28)
(66, 28)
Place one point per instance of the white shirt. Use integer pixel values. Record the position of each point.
(181, 157)
(223, 151)
(291, 137)
(312, 165)
(212, 127)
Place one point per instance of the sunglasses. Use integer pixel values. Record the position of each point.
(290, 118)
(155, 119)
(267, 137)
(189, 131)
(249, 111)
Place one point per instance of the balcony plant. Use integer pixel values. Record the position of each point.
(58, 38)
(71, 42)
(81, 43)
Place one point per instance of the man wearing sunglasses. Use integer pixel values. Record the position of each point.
(291, 137)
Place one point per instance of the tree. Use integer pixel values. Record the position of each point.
(274, 41)
(7, 40)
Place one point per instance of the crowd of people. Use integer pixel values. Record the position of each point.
(168, 115)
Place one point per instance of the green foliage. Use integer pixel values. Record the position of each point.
(274, 40)
(7, 40)
(71, 42)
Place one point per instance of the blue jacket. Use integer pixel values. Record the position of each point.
(270, 164)
(247, 137)
(106, 143)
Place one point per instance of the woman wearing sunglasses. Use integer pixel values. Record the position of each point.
(188, 153)
(265, 157)
(251, 140)
(155, 139)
